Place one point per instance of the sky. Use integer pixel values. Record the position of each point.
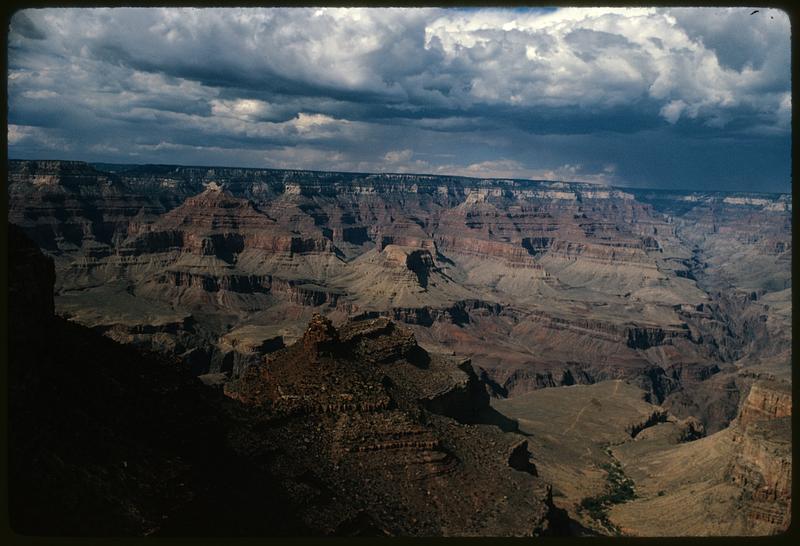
(692, 98)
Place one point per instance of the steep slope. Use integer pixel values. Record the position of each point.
(215, 243)
(570, 430)
(622, 466)
(734, 482)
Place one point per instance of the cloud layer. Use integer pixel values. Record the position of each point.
(646, 97)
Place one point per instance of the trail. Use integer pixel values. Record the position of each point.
(587, 404)
(577, 417)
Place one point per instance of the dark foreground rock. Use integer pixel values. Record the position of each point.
(330, 436)
(108, 441)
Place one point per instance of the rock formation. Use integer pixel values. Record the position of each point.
(385, 423)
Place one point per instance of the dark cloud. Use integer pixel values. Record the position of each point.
(589, 44)
(638, 97)
(737, 38)
(24, 27)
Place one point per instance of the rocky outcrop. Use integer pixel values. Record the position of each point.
(304, 293)
(406, 241)
(762, 467)
(658, 415)
(423, 316)
(376, 412)
(246, 346)
(763, 470)
(644, 338)
(513, 255)
(458, 313)
(522, 381)
(659, 382)
(537, 245)
(356, 235)
(520, 458)
(69, 174)
(618, 253)
(154, 241)
(214, 283)
(379, 340)
(465, 401)
(635, 337)
(767, 400)
(215, 223)
(298, 291)
(418, 261)
(72, 207)
(641, 337)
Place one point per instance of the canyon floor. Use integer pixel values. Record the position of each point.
(401, 354)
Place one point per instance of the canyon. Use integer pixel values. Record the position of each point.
(407, 354)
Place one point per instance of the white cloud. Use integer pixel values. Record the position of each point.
(672, 111)
(398, 156)
(17, 132)
(306, 123)
(37, 138)
(244, 109)
(609, 57)
(40, 94)
(497, 168)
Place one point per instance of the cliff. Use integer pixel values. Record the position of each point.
(762, 467)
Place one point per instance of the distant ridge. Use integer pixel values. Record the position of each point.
(130, 168)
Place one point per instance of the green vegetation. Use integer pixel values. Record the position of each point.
(619, 489)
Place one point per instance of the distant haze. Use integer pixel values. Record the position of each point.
(695, 98)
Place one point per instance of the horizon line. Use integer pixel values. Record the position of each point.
(490, 178)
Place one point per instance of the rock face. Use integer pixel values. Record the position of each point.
(763, 464)
(247, 345)
(736, 481)
(70, 205)
(417, 261)
(215, 223)
(767, 400)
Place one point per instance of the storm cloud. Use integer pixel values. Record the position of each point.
(673, 98)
